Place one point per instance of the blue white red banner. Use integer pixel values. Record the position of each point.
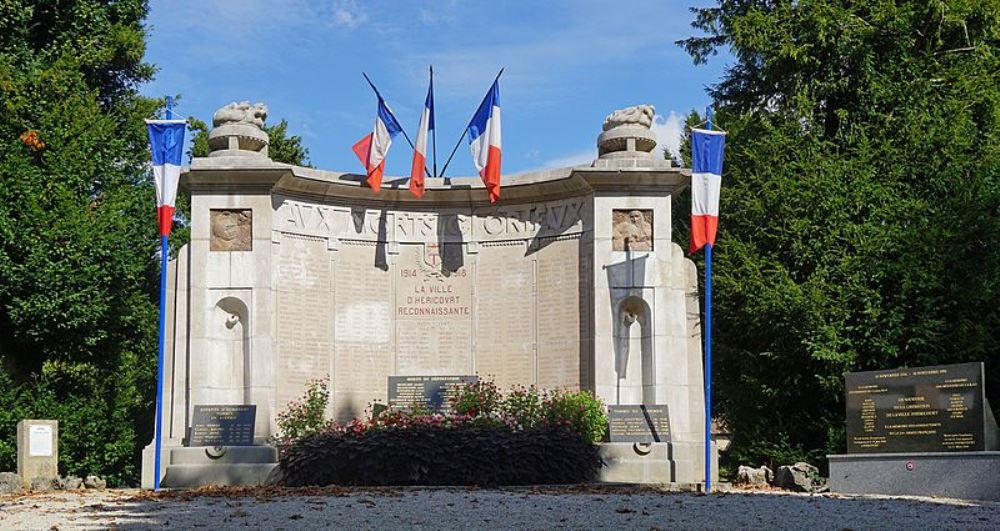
(373, 148)
(707, 148)
(419, 167)
(166, 146)
(484, 140)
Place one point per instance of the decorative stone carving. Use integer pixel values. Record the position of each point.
(241, 112)
(627, 133)
(238, 131)
(635, 115)
(231, 230)
(632, 230)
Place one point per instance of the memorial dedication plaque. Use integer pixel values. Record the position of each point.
(921, 409)
(638, 423)
(431, 393)
(222, 426)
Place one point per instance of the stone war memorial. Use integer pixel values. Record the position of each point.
(925, 431)
(569, 281)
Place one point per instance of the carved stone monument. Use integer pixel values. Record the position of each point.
(570, 281)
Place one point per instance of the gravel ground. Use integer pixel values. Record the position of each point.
(581, 508)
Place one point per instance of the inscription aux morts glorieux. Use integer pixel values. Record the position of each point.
(516, 222)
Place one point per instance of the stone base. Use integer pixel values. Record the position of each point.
(655, 463)
(238, 465)
(964, 475)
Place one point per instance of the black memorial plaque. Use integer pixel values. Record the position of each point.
(430, 393)
(222, 426)
(921, 409)
(638, 423)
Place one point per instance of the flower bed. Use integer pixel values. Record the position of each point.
(518, 438)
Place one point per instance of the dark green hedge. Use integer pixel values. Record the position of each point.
(428, 455)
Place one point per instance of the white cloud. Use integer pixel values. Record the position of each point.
(349, 14)
(578, 158)
(668, 133)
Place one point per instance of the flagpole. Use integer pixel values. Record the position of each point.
(466, 130)
(164, 255)
(434, 131)
(708, 351)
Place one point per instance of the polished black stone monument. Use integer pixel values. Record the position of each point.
(925, 431)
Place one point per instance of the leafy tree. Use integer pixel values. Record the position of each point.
(860, 205)
(282, 148)
(77, 231)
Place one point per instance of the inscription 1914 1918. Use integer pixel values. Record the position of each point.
(431, 393)
(222, 425)
(923, 409)
(638, 423)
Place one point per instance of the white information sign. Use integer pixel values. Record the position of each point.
(40, 440)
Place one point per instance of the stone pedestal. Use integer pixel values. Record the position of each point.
(965, 475)
(655, 463)
(37, 450)
(227, 465)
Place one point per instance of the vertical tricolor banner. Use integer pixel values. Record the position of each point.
(484, 140)
(419, 167)
(706, 179)
(373, 148)
(166, 145)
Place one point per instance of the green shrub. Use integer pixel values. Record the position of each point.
(304, 416)
(521, 408)
(580, 411)
(428, 454)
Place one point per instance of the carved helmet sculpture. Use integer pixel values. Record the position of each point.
(238, 130)
(627, 133)
(241, 112)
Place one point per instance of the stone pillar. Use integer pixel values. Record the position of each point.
(37, 450)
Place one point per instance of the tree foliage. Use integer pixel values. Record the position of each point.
(77, 231)
(860, 209)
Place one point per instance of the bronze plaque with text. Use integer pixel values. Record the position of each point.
(920, 409)
(223, 425)
(429, 393)
(638, 423)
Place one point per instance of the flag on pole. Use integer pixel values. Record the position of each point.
(484, 139)
(166, 145)
(706, 178)
(373, 148)
(419, 167)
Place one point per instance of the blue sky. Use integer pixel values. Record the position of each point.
(568, 64)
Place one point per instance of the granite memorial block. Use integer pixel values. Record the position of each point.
(430, 393)
(639, 423)
(923, 409)
(222, 425)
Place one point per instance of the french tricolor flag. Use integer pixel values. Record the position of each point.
(484, 139)
(373, 148)
(706, 179)
(166, 145)
(420, 148)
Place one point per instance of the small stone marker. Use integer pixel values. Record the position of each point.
(222, 425)
(941, 408)
(432, 393)
(38, 450)
(638, 423)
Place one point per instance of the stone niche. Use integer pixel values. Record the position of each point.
(569, 281)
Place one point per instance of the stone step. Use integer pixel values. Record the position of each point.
(184, 476)
(204, 455)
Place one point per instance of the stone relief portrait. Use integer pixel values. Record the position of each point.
(632, 230)
(231, 230)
